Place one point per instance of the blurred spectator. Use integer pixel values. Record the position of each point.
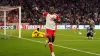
(69, 10)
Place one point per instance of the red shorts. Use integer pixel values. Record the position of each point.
(50, 32)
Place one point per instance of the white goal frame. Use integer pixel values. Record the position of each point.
(5, 9)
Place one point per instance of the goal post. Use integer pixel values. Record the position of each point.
(4, 22)
(19, 22)
(5, 9)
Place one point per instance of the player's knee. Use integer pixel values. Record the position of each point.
(50, 39)
(53, 39)
(87, 34)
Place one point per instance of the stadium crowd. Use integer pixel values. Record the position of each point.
(69, 10)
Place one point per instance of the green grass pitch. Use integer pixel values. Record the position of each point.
(67, 43)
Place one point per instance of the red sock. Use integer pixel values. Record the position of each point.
(51, 47)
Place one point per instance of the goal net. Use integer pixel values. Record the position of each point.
(10, 21)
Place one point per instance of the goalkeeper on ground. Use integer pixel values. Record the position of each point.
(37, 33)
(90, 31)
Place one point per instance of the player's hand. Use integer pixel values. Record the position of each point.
(56, 21)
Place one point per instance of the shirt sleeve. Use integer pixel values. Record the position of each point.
(45, 14)
(57, 17)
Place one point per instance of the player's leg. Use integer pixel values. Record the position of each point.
(50, 43)
(53, 36)
(88, 34)
(91, 35)
(78, 30)
(47, 41)
(50, 39)
(49, 34)
(53, 39)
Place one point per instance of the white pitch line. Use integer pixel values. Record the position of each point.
(78, 50)
(79, 40)
(64, 47)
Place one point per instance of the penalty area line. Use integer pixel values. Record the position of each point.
(63, 47)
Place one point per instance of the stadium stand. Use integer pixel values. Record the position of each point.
(69, 10)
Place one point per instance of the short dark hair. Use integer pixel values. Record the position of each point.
(38, 29)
